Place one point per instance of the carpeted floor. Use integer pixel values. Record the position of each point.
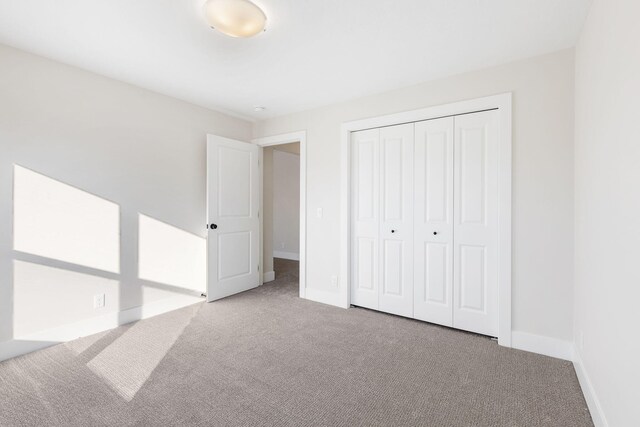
(268, 358)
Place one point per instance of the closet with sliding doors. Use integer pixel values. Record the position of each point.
(424, 220)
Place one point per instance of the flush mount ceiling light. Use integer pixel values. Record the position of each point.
(235, 18)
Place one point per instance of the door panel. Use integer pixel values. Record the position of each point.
(234, 189)
(367, 156)
(393, 175)
(365, 201)
(232, 204)
(472, 152)
(437, 276)
(366, 256)
(433, 272)
(392, 268)
(472, 278)
(476, 223)
(234, 254)
(396, 225)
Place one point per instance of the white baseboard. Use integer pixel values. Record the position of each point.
(269, 276)
(597, 415)
(325, 297)
(563, 350)
(548, 346)
(294, 256)
(29, 343)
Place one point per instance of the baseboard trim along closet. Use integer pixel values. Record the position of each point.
(50, 337)
(293, 256)
(324, 297)
(547, 346)
(269, 276)
(597, 415)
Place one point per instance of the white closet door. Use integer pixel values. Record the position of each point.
(476, 223)
(365, 211)
(396, 220)
(433, 233)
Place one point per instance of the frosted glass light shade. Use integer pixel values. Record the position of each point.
(235, 18)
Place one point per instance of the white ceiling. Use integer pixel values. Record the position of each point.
(315, 52)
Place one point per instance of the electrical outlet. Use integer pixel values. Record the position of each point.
(98, 301)
(281, 245)
(334, 281)
(319, 212)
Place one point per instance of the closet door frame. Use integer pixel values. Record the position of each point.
(503, 104)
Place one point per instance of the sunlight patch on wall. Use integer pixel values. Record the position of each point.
(46, 298)
(170, 255)
(61, 222)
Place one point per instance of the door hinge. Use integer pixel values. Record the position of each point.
(258, 267)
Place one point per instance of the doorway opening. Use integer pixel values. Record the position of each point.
(283, 210)
(281, 213)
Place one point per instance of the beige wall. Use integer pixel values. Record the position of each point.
(286, 203)
(141, 150)
(542, 178)
(146, 152)
(607, 176)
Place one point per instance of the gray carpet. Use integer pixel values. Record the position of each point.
(268, 358)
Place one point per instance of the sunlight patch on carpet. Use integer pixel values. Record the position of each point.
(128, 362)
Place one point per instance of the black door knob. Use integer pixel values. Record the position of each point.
(214, 226)
(393, 231)
(435, 233)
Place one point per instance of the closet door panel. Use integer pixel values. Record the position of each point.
(433, 232)
(396, 225)
(473, 277)
(393, 280)
(476, 223)
(365, 225)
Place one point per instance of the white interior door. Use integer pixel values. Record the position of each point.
(232, 217)
(365, 223)
(475, 277)
(433, 222)
(396, 220)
